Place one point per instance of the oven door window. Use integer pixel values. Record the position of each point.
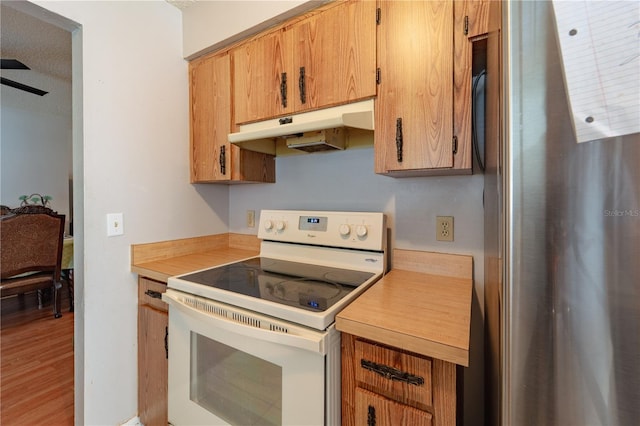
(234, 385)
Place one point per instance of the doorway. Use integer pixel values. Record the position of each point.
(42, 142)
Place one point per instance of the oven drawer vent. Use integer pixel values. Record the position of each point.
(278, 328)
(219, 310)
(215, 310)
(246, 320)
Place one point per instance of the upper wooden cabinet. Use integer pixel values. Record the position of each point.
(413, 57)
(213, 158)
(324, 58)
(414, 108)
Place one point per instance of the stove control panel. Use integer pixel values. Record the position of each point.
(361, 230)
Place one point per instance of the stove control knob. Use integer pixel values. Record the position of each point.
(361, 231)
(280, 226)
(268, 225)
(345, 229)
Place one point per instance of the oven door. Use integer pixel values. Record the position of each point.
(230, 366)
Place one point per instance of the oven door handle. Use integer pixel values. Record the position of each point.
(308, 340)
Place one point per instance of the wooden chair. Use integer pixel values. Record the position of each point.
(31, 251)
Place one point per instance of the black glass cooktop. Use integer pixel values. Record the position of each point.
(300, 285)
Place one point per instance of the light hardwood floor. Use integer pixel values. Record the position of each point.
(36, 363)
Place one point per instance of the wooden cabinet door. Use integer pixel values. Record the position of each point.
(373, 409)
(414, 107)
(337, 51)
(474, 19)
(152, 365)
(470, 26)
(210, 93)
(263, 80)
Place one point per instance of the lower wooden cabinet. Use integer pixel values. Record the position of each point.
(382, 385)
(153, 322)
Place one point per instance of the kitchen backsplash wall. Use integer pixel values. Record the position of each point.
(344, 180)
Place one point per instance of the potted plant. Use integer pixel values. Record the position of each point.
(35, 199)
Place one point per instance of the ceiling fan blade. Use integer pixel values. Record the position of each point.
(21, 86)
(12, 64)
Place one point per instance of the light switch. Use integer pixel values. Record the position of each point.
(115, 224)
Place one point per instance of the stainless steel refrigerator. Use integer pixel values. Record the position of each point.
(562, 244)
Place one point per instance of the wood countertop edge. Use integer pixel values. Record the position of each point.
(404, 341)
(150, 273)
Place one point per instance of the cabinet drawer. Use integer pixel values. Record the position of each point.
(398, 375)
(149, 293)
(373, 409)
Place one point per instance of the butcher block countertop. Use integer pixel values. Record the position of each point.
(164, 259)
(422, 305)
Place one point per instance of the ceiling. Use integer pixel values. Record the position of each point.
(43, 47)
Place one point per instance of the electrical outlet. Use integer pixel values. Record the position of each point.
(444, 228)
(251, 218)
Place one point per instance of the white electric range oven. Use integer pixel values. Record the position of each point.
(254, 342)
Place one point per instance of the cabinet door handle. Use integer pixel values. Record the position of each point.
(223, 160)
(371, 416)
(302, 86)
(392, 373)
(283, 89)
(399, 139)
(166, 342)
(154, 294)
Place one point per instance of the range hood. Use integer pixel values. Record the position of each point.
(316, 129)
